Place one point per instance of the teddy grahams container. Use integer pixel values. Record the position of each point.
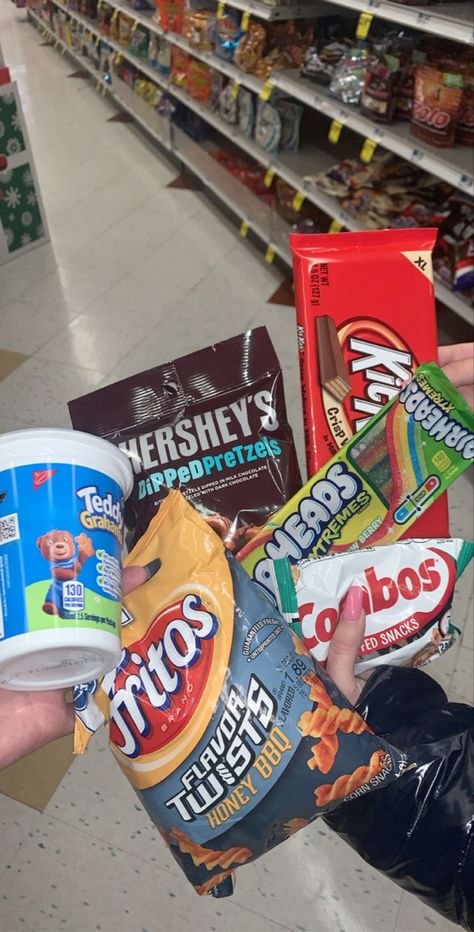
(61, 531)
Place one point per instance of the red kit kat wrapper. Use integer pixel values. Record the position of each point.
(366, 319)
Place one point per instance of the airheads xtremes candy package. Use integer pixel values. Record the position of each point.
(374, 489)
(366, 319)
(231, 736)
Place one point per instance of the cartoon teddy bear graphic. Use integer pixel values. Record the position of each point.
(59, 548)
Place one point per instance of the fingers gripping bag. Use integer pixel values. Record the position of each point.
(231, 736)
(212, 424)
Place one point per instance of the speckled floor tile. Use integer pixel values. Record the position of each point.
(69, 881)
(96, 798)
(39, 390)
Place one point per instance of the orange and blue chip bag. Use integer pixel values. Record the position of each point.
(231, 735)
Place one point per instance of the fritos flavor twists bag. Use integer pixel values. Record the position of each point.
(212, 424)
(230, 735)
(366, 319)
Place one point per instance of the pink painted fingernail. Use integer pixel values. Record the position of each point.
(352, 607)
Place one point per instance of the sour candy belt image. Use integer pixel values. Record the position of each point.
(374, 489)
(231, 735)
(408, 594)
(358, 296)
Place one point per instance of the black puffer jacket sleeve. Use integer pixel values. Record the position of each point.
(419, 830)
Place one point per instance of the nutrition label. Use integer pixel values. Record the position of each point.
(108, 574)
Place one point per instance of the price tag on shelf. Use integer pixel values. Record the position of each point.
(335, 226)
(335, 130)
(298, 200)
(266, 91)
(269, 176)
(220, 9)
(97, 87)
(364, 24)
(114, 16)
(244, 23)
(270, 253)
(235, 90)
(97, 41)
(117, 59)
(244, 228)
(367, 152)
(135, 26)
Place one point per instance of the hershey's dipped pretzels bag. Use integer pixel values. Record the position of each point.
(212, 424)
(230, 734)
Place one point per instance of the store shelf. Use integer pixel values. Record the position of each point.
(452, 165)
(273, 12)
(449, 20)
(293, 167)
(455, 301)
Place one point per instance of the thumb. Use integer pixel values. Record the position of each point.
(345, 644)
(134, 576)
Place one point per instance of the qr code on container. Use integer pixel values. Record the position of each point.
(9, 529)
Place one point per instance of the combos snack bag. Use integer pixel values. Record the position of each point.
(212, 424)
(231, 737)
(408, 593)
(357, 298)
(376, 486)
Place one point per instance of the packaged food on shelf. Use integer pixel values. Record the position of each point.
(290, 114)
(349, 76)
(251, 47)
(320, 63)
(465, 121)
(379, 96)
(138, 44)
(267, 126)
(227, 36)
(180, 62)
(437, 102)
(170, 14)
(199, 29)
(189, 121)
(125, 27)
(198, 81)
(454, 254)
(228, 105)
(246, 115)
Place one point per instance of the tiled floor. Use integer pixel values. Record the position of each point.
(135, 274)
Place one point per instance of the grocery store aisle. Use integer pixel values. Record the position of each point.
(137, 273)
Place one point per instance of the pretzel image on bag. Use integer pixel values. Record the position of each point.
(232, 739)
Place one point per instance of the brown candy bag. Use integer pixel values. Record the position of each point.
(436, 105)
(213, 425)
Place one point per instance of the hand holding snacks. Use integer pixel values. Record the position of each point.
(216, 713)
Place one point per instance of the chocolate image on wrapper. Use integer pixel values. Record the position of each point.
(333, 373)
(212, 424)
